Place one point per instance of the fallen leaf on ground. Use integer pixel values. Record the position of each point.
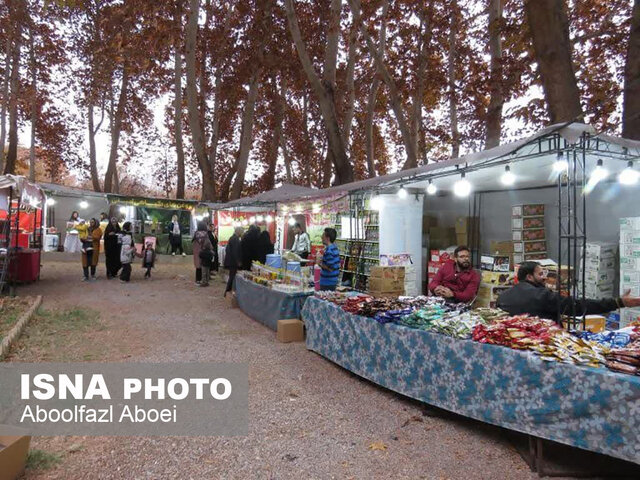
(377, 446)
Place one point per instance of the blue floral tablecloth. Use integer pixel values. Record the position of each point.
(265, 305)
(593, 409)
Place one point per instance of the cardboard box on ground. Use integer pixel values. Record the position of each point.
(290, 330)
(14, 448)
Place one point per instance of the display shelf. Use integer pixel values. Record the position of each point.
(356, 241)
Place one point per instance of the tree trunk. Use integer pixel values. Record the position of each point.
(418, 92)
(287, 158)
(325, 97)
(451, 76)
(5, 100)
(116, 181)
(93, 166)
(631, 102)
(306, 164)
(246, 134)
(115, 131)
(34, 107)
(215, 123)
(12, 153)
(197, 132)
(496, 101)
(549, 28)
(177, 108)
(351, 91)
(272, 154)
(394, 95)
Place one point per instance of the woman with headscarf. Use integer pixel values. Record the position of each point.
(72, 241)
(202, 254)
(213, 238)
(91, 250)
(127, 252)
(250, 246)
(175, 236)
(112, 248)
(265, 247)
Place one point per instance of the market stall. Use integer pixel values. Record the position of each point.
(151, 217)
(21, 230)
(518, 388)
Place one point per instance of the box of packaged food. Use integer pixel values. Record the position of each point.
(527, 223)
(628, 263)
(497, 278)
(600, 277)
(440, 256)
(628, 316)
(532, 234)
(387, 272)
(530, 246)
(630, 250)
(630, 237)
(524, 257)
(528, 210)
(386, 284)
(629, 276)
(630, 223)
(600, 250)
(595, 292)
(501, 248)
(466, 224)
(495, 263)
(599, 264)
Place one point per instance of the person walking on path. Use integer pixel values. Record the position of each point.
(91, 250)
(112, 248)
(233, 257)
(200, 242)
(175, 236)
(250, 246)
(127, 252)
(213, 238)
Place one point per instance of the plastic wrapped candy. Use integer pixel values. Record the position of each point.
(608, 339)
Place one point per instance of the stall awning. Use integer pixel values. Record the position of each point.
(284, 193)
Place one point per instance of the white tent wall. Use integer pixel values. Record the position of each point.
(59, 213)
(604, 206)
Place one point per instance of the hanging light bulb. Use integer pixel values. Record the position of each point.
(431, 188)
(315, 208)
(376, 203)
(260, 218)
(83, 204)
(600, 173)
(292, 221)
(244, 223)
(462, 188)
(402, 193)
(561, 164)
(252, 220)
(629, 176)
(123, 210)
(269, 219)
(51, 201)
(508, 178)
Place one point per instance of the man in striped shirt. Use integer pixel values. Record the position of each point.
(330, 261)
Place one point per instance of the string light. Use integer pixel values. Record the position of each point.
(431, 188)
(51, 201)
(123, 210)
(269, 219)
(561, 165)
(252, 220)
(508, 178)
(402, 193)
(83, 204)
(375, 203)
(260, 218)
(628, 176)
(462, 188)
(292, 221)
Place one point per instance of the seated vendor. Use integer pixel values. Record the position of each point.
(531, 296)
(456, 280)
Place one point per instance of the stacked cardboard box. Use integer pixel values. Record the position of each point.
(436, 260)
(387, 281)
(528, 232)
(441, 237)
(629, 265)
(599, 270)
(465, 226)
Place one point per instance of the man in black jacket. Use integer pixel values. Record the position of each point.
(233, 257)
(531, 296)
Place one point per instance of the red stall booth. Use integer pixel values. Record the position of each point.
(21, 230)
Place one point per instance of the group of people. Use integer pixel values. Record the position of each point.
(243, 249)
(457, 281)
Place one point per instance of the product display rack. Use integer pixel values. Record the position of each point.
(358, 255)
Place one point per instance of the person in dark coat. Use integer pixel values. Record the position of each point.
(233, 257)
(112, 248)
(213, 238)
(265, 247)
(250, 246)
(531, 296)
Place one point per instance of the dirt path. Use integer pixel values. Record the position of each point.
(308, 417)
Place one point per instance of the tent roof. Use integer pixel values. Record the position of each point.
(283, 193)
(20, 183)
(61, 190)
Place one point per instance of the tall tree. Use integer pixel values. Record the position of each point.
(195, 124)
(549, 27)
(177, 101)
(324, 95)
(5, 95)
(496, 101)
(17, 12)
(451, 77)
(631, 106)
